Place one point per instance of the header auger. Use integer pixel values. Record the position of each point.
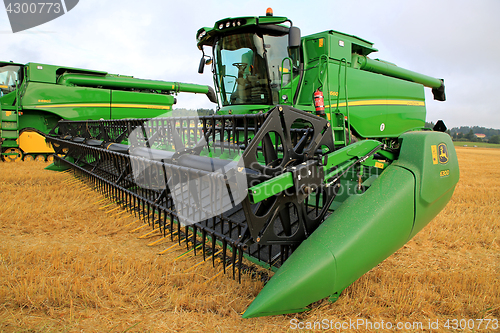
(320, 194)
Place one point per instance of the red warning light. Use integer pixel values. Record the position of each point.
(269, 12)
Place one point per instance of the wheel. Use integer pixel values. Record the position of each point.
(240, 64)
(28, 158)
(50, 158)
(40, 158)
(16, 157)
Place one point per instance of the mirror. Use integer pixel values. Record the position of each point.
(204, 62)
(294, 37)
(201, 67)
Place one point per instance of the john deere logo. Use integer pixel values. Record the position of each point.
(443, 153)
(26, 14)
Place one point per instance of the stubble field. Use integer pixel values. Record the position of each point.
(66, 265)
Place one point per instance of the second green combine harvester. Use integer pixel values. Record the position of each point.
(318, 193)
(34, 97)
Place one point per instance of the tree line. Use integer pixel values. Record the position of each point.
(468, 133)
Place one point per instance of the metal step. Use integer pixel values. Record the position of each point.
(8, 125)
(6, 134)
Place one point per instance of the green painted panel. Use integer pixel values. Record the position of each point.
(340, 48)
(8, 100)
(315, 48)
(436, 176)
(39, 120)
(42, 73)
(49, 73)
(72, 103)
(127, 104)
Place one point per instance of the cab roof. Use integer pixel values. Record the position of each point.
(230, 25)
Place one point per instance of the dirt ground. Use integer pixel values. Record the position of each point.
(69, 263)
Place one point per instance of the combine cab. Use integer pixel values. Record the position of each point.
(318, 189)
(34, 97)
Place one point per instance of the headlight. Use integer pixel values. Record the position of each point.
(201, 35)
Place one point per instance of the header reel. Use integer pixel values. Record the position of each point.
(201, 173)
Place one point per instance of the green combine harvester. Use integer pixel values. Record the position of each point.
(316, 166)
(34, 97)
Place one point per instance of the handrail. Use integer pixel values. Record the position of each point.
(344, 61)
(324, 58)
(292, 92)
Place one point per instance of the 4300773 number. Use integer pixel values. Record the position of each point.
(472, 324)
(34, 8)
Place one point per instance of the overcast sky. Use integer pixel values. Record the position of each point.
(457, 40)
